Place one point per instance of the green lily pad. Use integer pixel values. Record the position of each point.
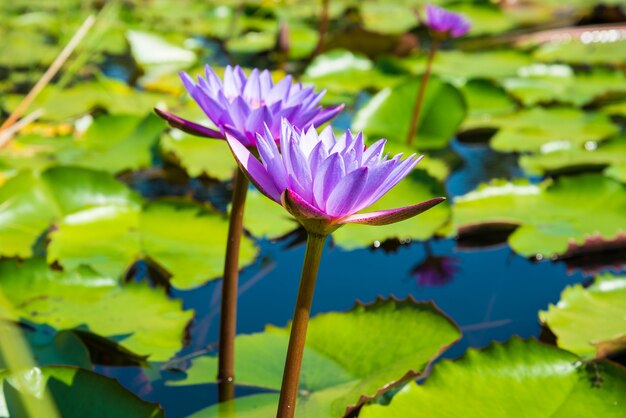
(77, 393)
(459, 66)
(577, 52)
(200, 155)
(484, 100)
(540, 129)
(388, 18)
(571, 159)
(505, 379)
(343, 71)
(343, 366)
(541, 83)
(550, 218)
(617, 171)
(102, 223)
(590, 322)
(415, 188)
(141, 318)
(184, 239)
(113, 95)
(263, 218)
(486, 18)
(63, 347)
(388, 114)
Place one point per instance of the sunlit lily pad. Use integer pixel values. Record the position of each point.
(348, 356)
(558, 83)
(389, 18)
(200, 155)
(113, 95)
(460, 66)
(100, 222)
(540, 129)
(141, 318)
(484, 100)
(186, 240)
(504, 379)
(388, 114)
(77, 393)
(571, 159)
(415, 188)
(590, 321)
(342, 71)
(617, 171)
(577, 52)
(263, 218)
(550, 218)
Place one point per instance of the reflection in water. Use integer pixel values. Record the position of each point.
(435, 270)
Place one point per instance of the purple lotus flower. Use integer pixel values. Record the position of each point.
(322, 181)
(445, 22)
(242, 106)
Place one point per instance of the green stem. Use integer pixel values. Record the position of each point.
(228, 318)
(293, 364)
(417, 108)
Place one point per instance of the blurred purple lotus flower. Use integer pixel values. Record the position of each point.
(436, 270)
(242, 106)
(322, 181)
(446, 23)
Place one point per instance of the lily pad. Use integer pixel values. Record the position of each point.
(504, 379)
(486, 18)
(388, 114)
(459, 66)
(416, 187)
(572, 159)
(484, 100)
(549, 218)
(343, 71)
(343, 366)
(100, 222)
(77, 393)
(141, 318)
(541, 83)
(184, 239)
(115, 96)
(263, 218)
(591, 321)
(578, 52)
(617, 171)
(200, 155)
(540, 129)
(388, 18)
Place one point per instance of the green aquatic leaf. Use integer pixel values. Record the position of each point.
(551, 218)
(343, 366)
(184, 239)
(484, 100)
(100, 222)
(577, 52)
(540, 129)
(541, 83)
(459, 66)
(486, 18)
(200, 155)
(342, 71)
(572, 159)
(77, 393)
(264, 218)
(417, 187)
(113, 95)
(617, 171)
(388, 18)
(388, 114)
(590, 321)
(142, 319)
(503, 380)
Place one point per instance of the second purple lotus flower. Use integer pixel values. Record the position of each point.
(241, 106)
